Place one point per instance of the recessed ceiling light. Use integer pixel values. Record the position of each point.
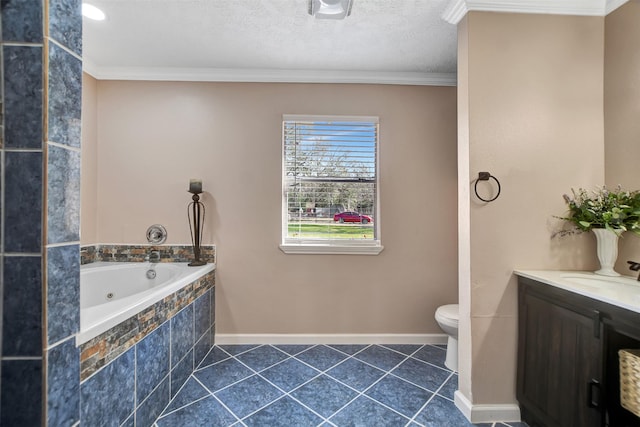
(330, 9)
(92, 12)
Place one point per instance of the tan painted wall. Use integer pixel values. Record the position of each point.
(89, 181)
(154, 136)
(622, 110)
(535, 93)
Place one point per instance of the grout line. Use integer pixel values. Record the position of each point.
(259, 373)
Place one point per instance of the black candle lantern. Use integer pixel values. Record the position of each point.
(195, 213)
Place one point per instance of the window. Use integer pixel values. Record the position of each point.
(330, 185)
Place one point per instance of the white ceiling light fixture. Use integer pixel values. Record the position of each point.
(92, 12)
(330, 9)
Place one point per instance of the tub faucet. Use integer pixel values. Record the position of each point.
(634, 266)
(153, 257)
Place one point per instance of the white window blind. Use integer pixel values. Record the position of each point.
(330, 180)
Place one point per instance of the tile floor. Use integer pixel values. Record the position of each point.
(322, 385)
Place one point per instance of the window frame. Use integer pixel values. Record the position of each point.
(330, 246)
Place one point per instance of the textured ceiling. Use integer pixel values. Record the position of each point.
(262, 36)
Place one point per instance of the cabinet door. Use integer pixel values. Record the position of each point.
(559, 359)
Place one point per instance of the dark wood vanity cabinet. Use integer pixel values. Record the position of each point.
(567, 358)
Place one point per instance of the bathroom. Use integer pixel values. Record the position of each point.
(536, 124)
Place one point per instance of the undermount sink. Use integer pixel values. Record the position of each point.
(593, 280)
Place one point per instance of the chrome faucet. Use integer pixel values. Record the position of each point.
(153, 257)
(634, 266)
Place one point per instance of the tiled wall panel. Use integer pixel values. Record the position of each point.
(63, 292)
(65, 24)
(22, 307)
(30, 362)
(22, 21)
(151, 364)
(63, 387)
(23, 96)
(65, 97)
(63, 194)
(23, 202)
(21, 393)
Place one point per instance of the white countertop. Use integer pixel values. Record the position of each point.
(622, 291)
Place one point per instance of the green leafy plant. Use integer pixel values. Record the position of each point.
(616, 210)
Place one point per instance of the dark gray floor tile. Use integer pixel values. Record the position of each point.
(321, 357)
(205, 412)
(356, 374)
(285, 412)
(222, 374)
(190, 392)
(289, 374)
(215, 355)
(407, 349)
(363, 412)
(293, 349)
(441, 412)
(450, 387)
(422, 374)
(380, 357)
(234, 350)
(248, 396)
(262, 357)
(433, 355)
(400, 395)
(350, 349)
(324, 395)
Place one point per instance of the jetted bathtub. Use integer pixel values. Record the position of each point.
(111, 292)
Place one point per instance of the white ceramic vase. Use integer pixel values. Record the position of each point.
(607, 250)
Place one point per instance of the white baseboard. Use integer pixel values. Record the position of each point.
(486, 413)
(222, 339)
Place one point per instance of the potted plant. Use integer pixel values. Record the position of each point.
(608, 214)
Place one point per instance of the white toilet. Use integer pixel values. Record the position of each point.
(447, 318)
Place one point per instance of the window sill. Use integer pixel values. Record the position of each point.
(310, 249)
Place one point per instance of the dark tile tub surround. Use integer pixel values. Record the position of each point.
(137, 253)
(140, 366)
(104, 348)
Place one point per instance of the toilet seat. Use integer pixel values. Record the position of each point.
(448, 315)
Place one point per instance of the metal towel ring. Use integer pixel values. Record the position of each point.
(484, 176)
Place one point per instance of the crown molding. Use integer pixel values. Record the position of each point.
(268, 76)
(457, 9)
(613, 5)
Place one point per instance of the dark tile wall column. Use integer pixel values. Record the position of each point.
(39, 238)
